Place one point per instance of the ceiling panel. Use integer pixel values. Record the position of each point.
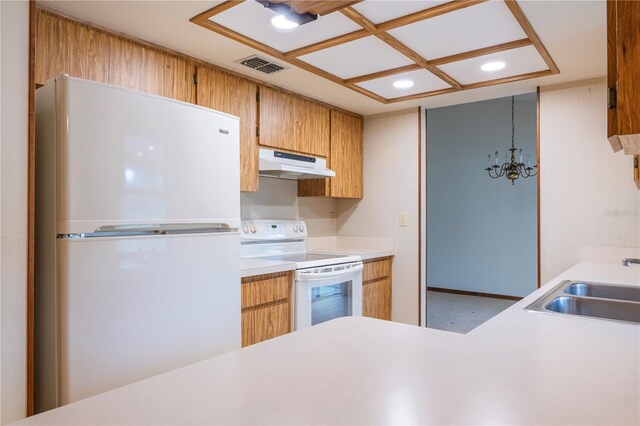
(471, 28)
(357, 58)
(518, 61)
(423, 79)
(381, 11)
(250, 18)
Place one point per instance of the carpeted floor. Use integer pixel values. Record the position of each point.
(459, 313)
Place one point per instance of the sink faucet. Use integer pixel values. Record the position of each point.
(629, 260)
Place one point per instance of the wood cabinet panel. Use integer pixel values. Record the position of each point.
(623, 57)
(64, 46)
(377, 288)
(263, 323)
(345, 158)
(292, 123)
(265, 289)
(266, 307)
(376, 299)
(376, 269)
(346, 155)
(235, 96)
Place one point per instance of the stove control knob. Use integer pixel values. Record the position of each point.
(295, 228)
(245, 229)
(301, 228)
(253, 229)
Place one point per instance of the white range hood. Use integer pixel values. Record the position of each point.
(285, 165)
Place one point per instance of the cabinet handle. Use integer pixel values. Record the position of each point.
(612, 98)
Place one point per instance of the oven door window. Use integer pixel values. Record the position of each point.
(331, 301)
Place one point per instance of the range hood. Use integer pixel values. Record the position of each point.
(284, 165)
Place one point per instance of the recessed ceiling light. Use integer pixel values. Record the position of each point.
(281, 22)
(403, 84)
(493, 66)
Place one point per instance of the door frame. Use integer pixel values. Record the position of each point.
(422, 208)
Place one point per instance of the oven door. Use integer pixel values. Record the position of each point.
(327, 292)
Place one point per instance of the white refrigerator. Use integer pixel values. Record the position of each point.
(137, 242)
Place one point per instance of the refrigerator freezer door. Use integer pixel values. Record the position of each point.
(126, 157)
(131, 308)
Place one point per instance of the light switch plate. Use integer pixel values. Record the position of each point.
(403, 219)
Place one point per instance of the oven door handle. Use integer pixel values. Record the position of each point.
(319, 276)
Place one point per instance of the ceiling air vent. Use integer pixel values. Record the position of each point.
(260, 64)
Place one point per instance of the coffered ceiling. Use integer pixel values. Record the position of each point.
(438, 47)
(573, 31)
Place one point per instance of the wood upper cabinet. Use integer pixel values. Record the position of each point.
(293, 123)
(623, 72)
(236, 96)
(266, 307)
(377, 288)
(67, 47)
(345, 158)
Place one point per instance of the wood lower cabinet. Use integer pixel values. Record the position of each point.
(293, 123)
(377, 288)
(236, 96)
(345, 158)
(266, 307)
(623, 74)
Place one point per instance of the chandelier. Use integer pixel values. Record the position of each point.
(512, 169)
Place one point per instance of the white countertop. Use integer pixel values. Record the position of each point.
(366, 248)
(518, 368)
(252, 266)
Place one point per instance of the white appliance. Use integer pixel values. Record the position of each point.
(325, 286)
(137, 237)
(285, 165)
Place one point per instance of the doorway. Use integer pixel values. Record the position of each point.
(481, 233)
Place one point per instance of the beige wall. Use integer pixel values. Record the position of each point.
(14, 36)
(390, 188)
(588, 197)
(278, 199)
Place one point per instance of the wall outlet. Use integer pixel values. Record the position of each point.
(403, 219)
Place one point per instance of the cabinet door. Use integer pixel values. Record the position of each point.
(623, 72)
(376, 299)
(346, 155)
(263, 323)
(65, 47)
(236, 96)
(345, 158)
(68, 47)
(292, 123)
(377, 289)
(141, 68)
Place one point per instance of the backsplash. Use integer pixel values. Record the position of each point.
(278, 199)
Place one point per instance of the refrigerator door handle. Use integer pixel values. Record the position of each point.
(149, 230)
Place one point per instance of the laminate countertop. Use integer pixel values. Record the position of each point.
(366, 248)
(520, 367)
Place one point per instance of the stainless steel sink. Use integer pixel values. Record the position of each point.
(604, 291)
(592, 300)
(596, 308)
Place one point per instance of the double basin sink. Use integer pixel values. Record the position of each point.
(593, 300)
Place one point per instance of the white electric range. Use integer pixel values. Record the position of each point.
(325, 285)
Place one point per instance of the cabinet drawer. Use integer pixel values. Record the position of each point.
(376, 269)
(263, 323)
(263, 289)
